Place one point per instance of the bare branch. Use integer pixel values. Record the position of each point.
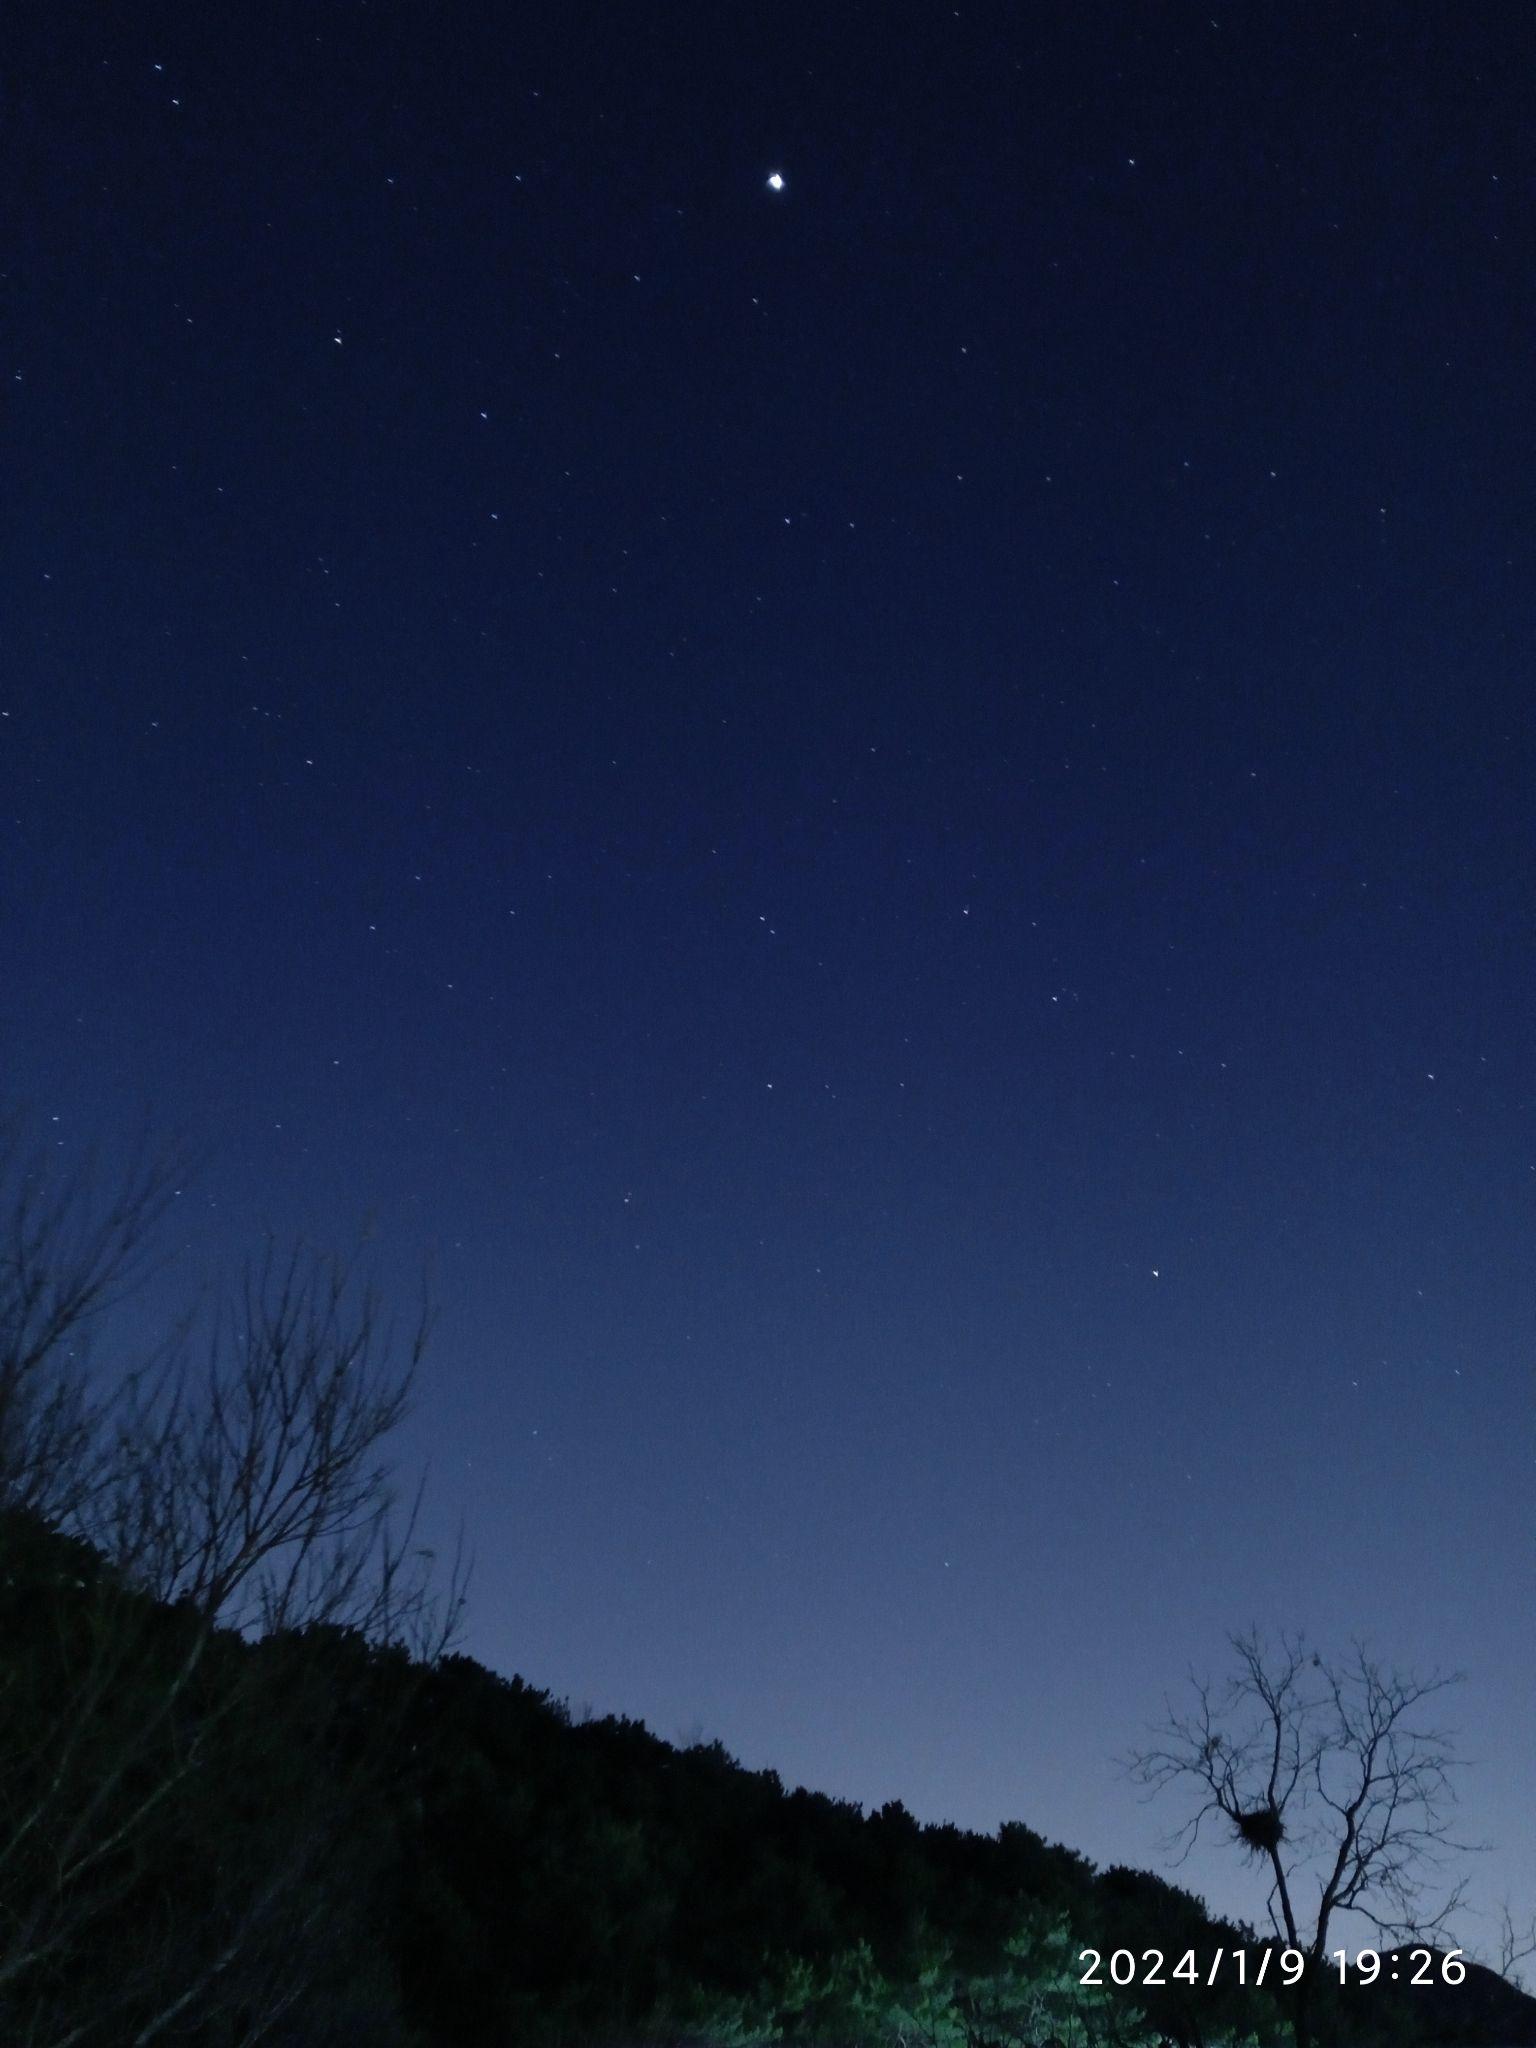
(172, 1538)
(1329, 1775)
(1516, 1944)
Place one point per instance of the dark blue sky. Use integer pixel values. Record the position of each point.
(894, 815)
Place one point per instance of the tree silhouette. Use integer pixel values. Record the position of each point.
(1325, 1775)
(174, 1774)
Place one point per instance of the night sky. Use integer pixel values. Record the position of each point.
(891, 816)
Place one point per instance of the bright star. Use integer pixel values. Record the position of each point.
(775, 181)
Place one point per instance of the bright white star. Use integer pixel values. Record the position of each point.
(775, 181)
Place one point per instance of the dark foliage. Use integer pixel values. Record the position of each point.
(206, 1794)
(514, 1877)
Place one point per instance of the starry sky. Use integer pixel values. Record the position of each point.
(889, 814)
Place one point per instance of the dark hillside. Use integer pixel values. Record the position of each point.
(495, 1872)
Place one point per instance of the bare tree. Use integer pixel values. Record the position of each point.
(188, 1548)
(66, 1259)
(1516, 1945)
(1327, 1776)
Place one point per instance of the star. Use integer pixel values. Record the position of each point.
(775, 181)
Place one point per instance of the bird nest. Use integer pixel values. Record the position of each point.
(1262, 1830)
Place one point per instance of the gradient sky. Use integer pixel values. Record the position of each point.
(892, 816)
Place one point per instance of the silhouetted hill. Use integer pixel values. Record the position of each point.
(1486, 2009)
(523, 1877)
